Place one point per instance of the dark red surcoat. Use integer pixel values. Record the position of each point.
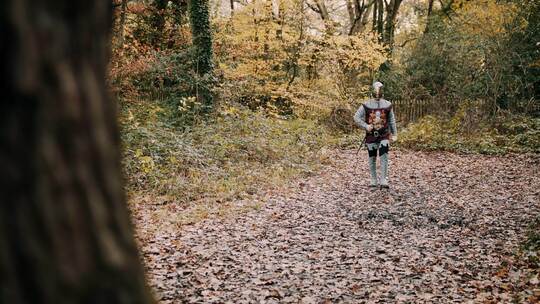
(378, 118)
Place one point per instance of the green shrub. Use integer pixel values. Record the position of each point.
(454, 62)
(505, 133)
(220, 158)
(170, 82)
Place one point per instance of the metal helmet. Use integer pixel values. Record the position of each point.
(377, 86)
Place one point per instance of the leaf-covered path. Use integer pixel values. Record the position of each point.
(438, 235)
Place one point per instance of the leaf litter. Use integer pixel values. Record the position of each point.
(439, 234)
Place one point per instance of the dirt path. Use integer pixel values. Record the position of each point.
(438, 235)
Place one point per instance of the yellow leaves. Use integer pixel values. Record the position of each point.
(146, 163)
(156, 110)
(130, 117)
(484, 17)
(535, 64)
(357, 52)
(278, 53)
(230, 111)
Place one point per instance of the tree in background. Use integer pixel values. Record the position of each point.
(383, 19)
(202, 35)
(483, 51)
(319, 6)
(392, 10)
(524, 39)
(179, 8)
(65, 233)
(157, 20)
(359, 13)
(202, 43)
(157, 24)
(296, 63)
(121, 21)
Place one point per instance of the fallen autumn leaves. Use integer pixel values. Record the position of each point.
(439, 234)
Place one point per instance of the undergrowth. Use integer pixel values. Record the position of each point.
(219, 158)
(502, 134)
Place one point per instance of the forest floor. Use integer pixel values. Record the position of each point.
(441, 233)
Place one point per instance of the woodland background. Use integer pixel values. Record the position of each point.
(220, 99)
(264, 89)
(228, 107)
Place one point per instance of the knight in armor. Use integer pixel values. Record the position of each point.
(377, 118)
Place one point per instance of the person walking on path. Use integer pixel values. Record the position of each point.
(377, 118)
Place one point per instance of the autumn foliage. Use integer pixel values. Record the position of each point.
(265, 94)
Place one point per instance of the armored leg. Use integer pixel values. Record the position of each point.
(372, 161)
(383, 153)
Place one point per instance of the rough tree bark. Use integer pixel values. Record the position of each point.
(65, 233)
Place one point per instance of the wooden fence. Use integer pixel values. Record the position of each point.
(408, 111)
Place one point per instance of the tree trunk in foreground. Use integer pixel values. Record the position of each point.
(65, 233)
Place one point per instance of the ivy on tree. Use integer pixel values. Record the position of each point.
(199, 18)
